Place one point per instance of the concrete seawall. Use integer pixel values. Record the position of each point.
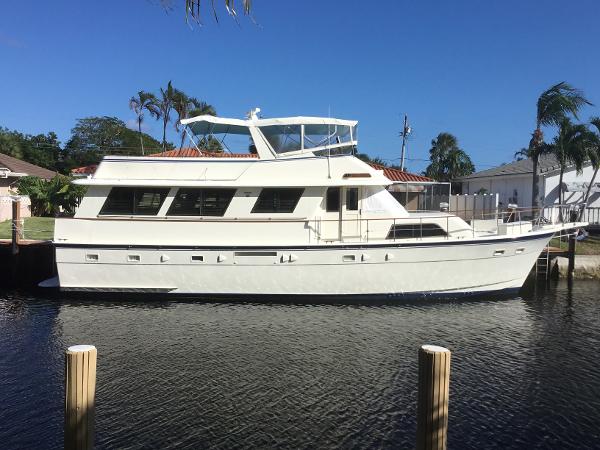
(33, 263)
(586, 267)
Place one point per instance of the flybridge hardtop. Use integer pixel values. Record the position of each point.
(283, 137)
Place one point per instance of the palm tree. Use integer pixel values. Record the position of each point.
(143, 101)
(553, 105)
(594, 157)
(164, 106)
(189, 107)
(570, 147)
(448, 160)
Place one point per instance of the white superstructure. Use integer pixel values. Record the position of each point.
(303, 217)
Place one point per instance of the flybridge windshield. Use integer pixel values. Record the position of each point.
(218, 137)
(273, 137)
(291, 138)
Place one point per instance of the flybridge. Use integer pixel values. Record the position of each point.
(278, 138)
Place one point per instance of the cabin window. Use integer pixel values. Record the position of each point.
(134, 201)
(352, 199)
(332, 202)
(201, 202)
(415, 230)
(277, 200)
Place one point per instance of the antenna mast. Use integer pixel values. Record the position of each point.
(404, 133)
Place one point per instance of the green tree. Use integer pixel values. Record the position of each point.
(210, 144)
(553, 105)
(186, 107)
(50, 197)
(42, 149)
(569, 148)
(93, 137)
(448, 160)
(145, 101)
(10, 143)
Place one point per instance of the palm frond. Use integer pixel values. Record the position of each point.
(558, 102)
(596, 122)
(193, 9)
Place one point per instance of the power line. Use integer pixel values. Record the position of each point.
(428, 160)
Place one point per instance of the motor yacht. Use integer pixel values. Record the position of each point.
(297, 215)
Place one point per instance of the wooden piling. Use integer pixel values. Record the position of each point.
(16, 225)
(80, 392)
(432, 408)
(572, 245)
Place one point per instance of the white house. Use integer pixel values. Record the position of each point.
(512, 182)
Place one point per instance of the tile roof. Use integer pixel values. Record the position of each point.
(176, 153)
(85, 170)
(547, 163)
(229, 155)
(19, 166)
(400, 175)
(195, 153)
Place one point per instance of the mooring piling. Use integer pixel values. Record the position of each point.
(16, 225)
(80, 393)
(572, 245)
(432, 408)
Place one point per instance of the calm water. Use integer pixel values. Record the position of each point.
(182, 374)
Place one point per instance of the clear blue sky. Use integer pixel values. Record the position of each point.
(473, 68)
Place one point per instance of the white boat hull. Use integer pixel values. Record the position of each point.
(442, 269)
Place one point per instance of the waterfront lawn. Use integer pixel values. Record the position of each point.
(34, 228)
(589, 246)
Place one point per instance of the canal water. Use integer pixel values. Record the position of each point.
(185, 374)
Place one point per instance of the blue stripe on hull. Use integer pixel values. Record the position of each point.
(365, 299)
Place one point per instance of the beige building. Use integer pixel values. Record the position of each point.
(11, 169)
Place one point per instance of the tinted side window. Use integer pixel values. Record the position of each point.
(277, 200)
(415, 230)
(130, 201)
(352, 199)
(332, 202)
(201, 202)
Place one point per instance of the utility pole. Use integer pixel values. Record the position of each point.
(404, 133)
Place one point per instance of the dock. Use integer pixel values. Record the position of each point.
(27, 263)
